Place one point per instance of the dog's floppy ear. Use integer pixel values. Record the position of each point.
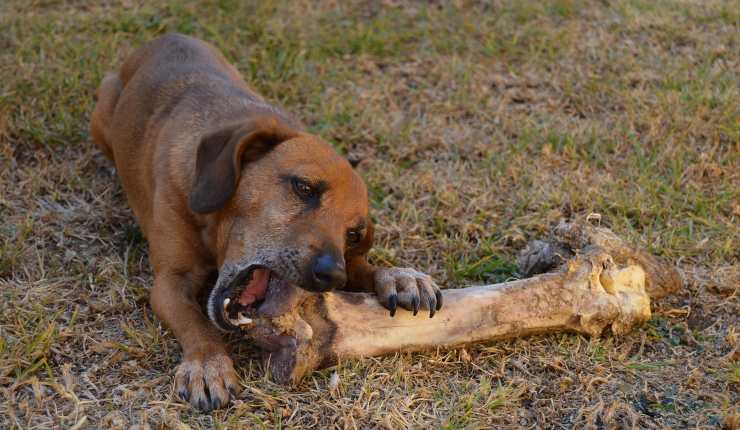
(222, 153)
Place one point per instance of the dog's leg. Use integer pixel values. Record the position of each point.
(206, 376)
(106, 98)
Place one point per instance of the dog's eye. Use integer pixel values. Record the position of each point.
(354, 237)
(302, 188)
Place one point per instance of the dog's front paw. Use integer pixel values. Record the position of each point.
(207, 381)
(408, 288)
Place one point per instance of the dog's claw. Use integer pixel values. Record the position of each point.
(415, 303)
(215, 403)
(184, 394)
(438, 295)
(432, 307)
(393, 304)
(203, 405)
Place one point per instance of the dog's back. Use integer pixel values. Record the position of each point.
(153, 81)
(168, 93)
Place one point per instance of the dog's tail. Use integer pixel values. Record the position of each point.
(106, 98)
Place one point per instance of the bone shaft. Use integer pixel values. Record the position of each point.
(536, 305)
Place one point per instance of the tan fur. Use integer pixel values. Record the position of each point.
(171, 103)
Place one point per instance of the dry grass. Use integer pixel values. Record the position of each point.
(478, 125)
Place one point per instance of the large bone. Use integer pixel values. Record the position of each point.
(590, 292)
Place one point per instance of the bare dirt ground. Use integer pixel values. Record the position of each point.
(478, 125)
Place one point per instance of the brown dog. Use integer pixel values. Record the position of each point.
(223, 183)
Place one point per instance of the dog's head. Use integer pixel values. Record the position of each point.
(287, 209)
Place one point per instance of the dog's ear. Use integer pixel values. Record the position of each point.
(222, 153)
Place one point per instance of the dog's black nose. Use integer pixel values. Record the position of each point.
(328, 272)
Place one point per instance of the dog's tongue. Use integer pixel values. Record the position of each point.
(257, 287)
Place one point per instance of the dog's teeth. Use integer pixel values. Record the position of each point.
(226, 302)
(243, 320)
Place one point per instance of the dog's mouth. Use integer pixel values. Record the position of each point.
(236, 304)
